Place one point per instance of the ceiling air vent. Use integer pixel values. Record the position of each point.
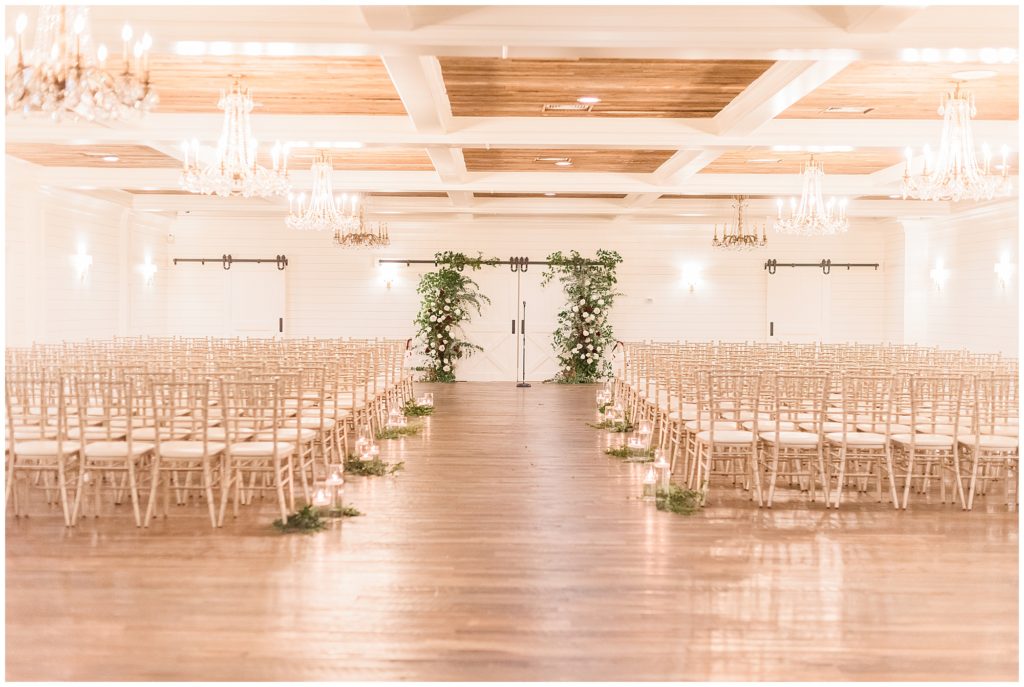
(847, 109)
(567, 107)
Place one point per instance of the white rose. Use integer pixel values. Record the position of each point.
(440, 348)
(433, 318)
(600, 301)
(448, 300)
(447, 368)
(446, 308)
(597, 310)
(586, 332)
(575, 308)
(590, 347)
(583, 301)
(439, 336)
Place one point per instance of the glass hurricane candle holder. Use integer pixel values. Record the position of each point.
(427, 400)
(321, 498)
(644, 428)
(636, 444)
(661, 465)
(336, 487)
(396, 418)
(650, 485)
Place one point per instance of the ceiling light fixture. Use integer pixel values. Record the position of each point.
(321, 212)
(110, 158)
(813, 216)
(736, 237)
(955, 174)
(65, 72)
(235, 171)
(588, 100)
(563, 163)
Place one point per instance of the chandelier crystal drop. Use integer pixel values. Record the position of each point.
(955, 173)
(321, 212)
(357, 232)
(736, 237)
(813, 216)
(66, 74)
(235, 170)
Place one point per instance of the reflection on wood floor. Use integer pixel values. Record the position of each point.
(512, 548)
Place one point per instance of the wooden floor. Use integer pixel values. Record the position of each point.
(512, 548)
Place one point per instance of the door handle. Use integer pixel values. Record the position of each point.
(513, 325)
(771, 329)
(522, 326)
(280, 325)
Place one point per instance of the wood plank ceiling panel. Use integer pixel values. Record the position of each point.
(767, 161)
(361, 159)
(531, 160)
(492, 87)
(908, 90)
(280, 85)
(54, 155)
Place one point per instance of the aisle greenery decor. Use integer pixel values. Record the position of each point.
(616, 426)
(678, 500)
(354, 465)
(306, 519)
(447, 298)
(584, 335)
(627, 453)
(414, 409)
(398, 432)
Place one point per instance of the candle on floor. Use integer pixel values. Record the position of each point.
(650, 485)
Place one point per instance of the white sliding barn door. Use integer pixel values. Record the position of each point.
(256, 300)
(797, 299)
(491, 329)
(542, 306)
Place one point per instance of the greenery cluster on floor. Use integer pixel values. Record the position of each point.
(414, 409)
(636, 455)
(617, 426)
(374, 467)
(306, 519)
(447, 298)
(584, 333)
(398, 432)
(678, 500)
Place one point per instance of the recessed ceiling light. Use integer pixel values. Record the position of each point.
(848, 109)
(564, 163)
(565, 107)
(588, 100)
(974, 74)
(110, 158)
(549, 194)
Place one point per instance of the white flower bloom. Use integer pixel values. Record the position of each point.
(439, 336)
(600, 301)
(575, 308)
(433, 318)
(586, 332)
(590, 347)
(446, 308)
(583, 301)
(448, 300)
(447, 368)
(440, 348)
(597, 310)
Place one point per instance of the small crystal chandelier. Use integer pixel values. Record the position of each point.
(357, 232)
(813, 216)
(235, 171)
(736, 237)
(65, 73)
(321, 212)
(956, 174)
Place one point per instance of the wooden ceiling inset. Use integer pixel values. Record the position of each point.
(280, 85)
(556, 196)
(157, 192)
(524, 160)
(492, 87)
(864, 161)
(408, 194)
(54, 155)
(908, 90)
(361, 159)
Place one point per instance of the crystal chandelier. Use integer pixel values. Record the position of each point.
(813, 216)
(321, 212)
(65, 73)
(357, 232)
(736, 237)
(235, 171)
(956, 174)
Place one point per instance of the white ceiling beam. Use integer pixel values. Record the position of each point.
(511, 132)
(667, 33)
(878, 19)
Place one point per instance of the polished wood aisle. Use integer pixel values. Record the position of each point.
(511, 548)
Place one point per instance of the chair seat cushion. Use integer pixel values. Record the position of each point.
(27, 432)
(879, 428)
(791, 438)
(261, 449)
(1001, 430)
(768, 426)
(989, 441)
(44, 447)
(189, 449)
(288, 434)
(116, 449)
(311, 422)
(727, 436)
(692, 425)
(857, 438)
(166, 433)
(946, 429)
(96, 434)
(827, 427)
(924, 440)
(219, 433)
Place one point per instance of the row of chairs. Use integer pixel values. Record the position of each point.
(219, 420)
(812, 418)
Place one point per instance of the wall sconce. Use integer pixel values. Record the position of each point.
(81, 262)
(1004, 270)
(388, 274)
(939, 274)
(148, 270)
(690, 277)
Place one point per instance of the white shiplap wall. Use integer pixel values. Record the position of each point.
(46, 301)
(972, 310)
(335, 292)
